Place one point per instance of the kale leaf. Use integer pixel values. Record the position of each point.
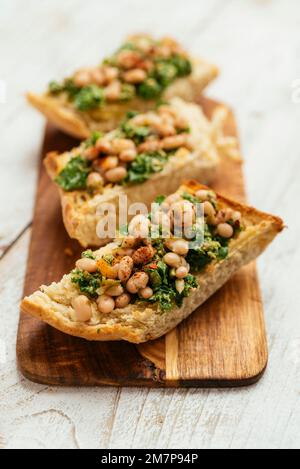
(165, 72)
(86, 282)
(89, 97)
(92, 140)
(55, 87)
(74, 174)
(182, 65)
(159, 199)
(149, 89)
(144, 165)
(190, 198)
(127, 92)
(135, 133)
(209, 251)
(165, 296)
(88, 254)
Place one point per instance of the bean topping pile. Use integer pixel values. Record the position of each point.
(142, 67)
(139, 147)
(156, 270)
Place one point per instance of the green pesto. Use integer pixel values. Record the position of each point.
(74, 174)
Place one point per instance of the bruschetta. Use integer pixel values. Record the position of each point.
(138, 289)
(140, 73)
(148, 154)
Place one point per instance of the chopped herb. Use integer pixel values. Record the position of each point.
(155, 278)
(89, 97)
(128, 46)
(92, 140)
(108, 259)
(88, 254)
(144, 165)
(165, 296)
(210, 250)
(131, 114)
(86, 282)
(161, 102)
(190, 198)
(158, 273)
(165, 72)
(70, 88)
(74, 174)
(223, 252)
(135, 133)
(159, 199)
(190, 282)
(149, 89)
(55, 87)
(186, 130)
(127, 92)
(182, 65)
(158, 244)
(123, 230)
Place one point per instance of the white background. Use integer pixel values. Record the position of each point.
(257, 45)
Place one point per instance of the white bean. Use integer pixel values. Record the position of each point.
(122, 144)
(168, 130)
(113, 91)
(172, 259)
(181, 247)
(94, 180)
(224, 215)
(169, 143)
(236, 216)
(105, 304)
(172, 199)
(143, 255)
(181, 272)
(123, 300)
(104, 146)
(125, 268)
(138, 281)
(225, 230)
(110, 73)
(208, 209)
(139, 226)
(149, 145)
(115, 290)
(129, 242)
(116, 174)
(82, 308)
(179, 285)
(135, 75)
(98, 76)
(128, 155)
(109, 162)
(146, 292)
(82, 77)
(202, 194)
(89, 265)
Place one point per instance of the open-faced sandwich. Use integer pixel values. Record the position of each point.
(148, 154)
(138, 288)
(141, 72)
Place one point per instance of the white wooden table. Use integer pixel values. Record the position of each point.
(257, 44)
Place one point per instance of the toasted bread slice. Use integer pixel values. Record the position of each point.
(143, 321)
(60, 109)
(79, 207)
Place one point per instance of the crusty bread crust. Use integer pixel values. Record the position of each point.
(139, 323)
(80, 124)
(79, 209)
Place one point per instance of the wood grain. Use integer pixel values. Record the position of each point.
(222, 344)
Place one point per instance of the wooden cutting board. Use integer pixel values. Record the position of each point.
(223, 343)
